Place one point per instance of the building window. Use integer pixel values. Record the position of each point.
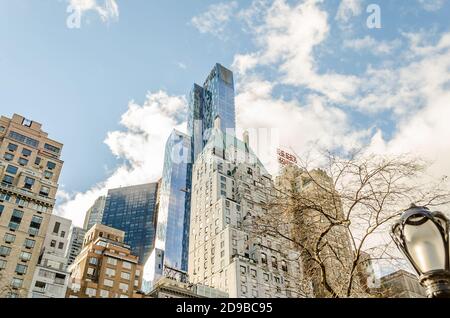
(264, 258)
(112, 261)
(12, 147)
(8, 179)
(29, 243)
(25, 256)
(91, 292)
(277, 280)
(23, 161)
(21, 269)
(253, 272)
(244, 289)
(8, 157)
(37, 161)
(266, 277)
(16, 283)
(29, 182)
(104, 293)
(243, 270)
(110, 272)
(125, 275)
(108, 283)
(93, 261)
(63, 234)
(26, 152)
(52, 148)
(126, 265)
(123, 287)
(11, 169)
(60, 245)
(5, 250)
(35, 225)
(51, 165)
(44, 191)
(91, 271)
(3, 264)
(2, 129)
(53, 243)
(284, 266)
(274, 262)
(56, 227)
(24, 139)
(16, 218)
(2, 207)
(48, 174)
(9, 238)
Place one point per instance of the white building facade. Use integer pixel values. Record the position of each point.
(51, 278)
(229, 185)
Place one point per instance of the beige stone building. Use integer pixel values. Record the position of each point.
(230, 186)
(400, 284)
(30, 166)
(105, 267)
(311, 211)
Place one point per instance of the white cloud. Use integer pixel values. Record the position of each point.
(431, 5)
(108, 10)
(348, 9)
(215, 19)
(369, 44)
(287, 38)
(140, 145)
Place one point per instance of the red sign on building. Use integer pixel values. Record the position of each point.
(285, 158)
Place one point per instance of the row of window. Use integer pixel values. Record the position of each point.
(20, 268)
(16, 220)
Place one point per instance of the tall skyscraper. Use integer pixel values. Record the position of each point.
(172, 229)
(30, 166)
(229, 186)
(75, 244)
(51, 278)
(133, 210)
(215, 98)
(95, 214)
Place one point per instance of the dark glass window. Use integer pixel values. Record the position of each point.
(60, 245)
(23, 161)
(29, 182)
(12, 147)
(11, 169)
(24, 139)
(52, 148)
(48, 174)
(44, 191)
(56, 227)
(16, 218)
(36, 222)
(29, 243)
(8, 179)
(9, 238)
(5, 250)
(37, 161)
(2, 207)
(21, 269)
(8, 156)
(26, 152)
(51, 165)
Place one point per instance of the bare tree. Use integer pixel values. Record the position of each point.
(338, 217)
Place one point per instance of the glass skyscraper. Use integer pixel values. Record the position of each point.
(133, 210)
(172, 230)
(215, 98)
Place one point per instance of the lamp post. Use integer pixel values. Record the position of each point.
(423, 236)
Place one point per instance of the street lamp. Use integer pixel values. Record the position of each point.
(423, 236)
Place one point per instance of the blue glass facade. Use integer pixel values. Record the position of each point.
(172, 231)
(133, 210)
(215, 98)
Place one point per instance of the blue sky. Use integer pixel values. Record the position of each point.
(312, 69)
